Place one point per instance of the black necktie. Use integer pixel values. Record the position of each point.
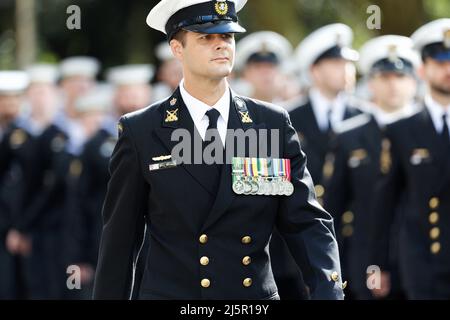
(215, 169)
(445, 133)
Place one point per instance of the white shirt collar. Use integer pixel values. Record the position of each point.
(322, 106)
(436, 112)
(385, 118)
(198, 109)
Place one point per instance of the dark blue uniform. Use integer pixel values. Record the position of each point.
(200, 238)
(419, 167)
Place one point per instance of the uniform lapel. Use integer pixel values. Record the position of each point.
(225, 194)
(197, 171)
(318, 138)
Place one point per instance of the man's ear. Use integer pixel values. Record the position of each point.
(177, 49)
(421, 71)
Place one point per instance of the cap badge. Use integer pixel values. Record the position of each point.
(392, 53)
(221, 7)
(447, 38)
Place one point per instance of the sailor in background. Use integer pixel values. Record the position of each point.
(16, 151)
(131, 92)
(168, 74)
(418, 166)
(259, 57)
(389, 63)
(326, 59)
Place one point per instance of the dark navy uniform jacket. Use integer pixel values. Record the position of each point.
(420, 168)
(188, 220)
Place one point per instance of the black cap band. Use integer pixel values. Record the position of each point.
(199, 14)
(398, 65)
(259, 57)
(436, 51)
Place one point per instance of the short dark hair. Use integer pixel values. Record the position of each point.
(180, 36)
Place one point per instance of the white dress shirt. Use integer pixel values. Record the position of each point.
(384, 118)
(324, 107)
(436, 112)
(198, 109)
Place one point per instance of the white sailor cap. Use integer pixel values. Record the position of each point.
(433, 40)
(203, 16)
(164, 52)
(389, 53)
(79, 66)
(43, 73)
(13, 82)
(99, 99)
(263, 46)
(131, 74)
(331, 41)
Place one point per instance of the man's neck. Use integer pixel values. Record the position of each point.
(329, 95)
(206, 90)
(442, 99)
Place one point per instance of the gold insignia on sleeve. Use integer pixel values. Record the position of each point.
(245, 117)
(385, 157)
(171, 115)
(221, 7)
(120, 128)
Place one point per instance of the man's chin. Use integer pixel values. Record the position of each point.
(441, 90)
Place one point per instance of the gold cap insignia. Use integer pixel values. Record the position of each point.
(447, 38)
(221, 7)
(171, 116)
(392, 52)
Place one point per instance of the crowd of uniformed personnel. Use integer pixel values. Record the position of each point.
(378, 150)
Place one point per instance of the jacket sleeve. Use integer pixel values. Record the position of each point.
(306, 227)
(123, 220)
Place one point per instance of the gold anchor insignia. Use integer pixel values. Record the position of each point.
(245, 117)
(120, 128)
(447, 39)
(172, 115)
(173, 101)
(162, 158)
(221, 7)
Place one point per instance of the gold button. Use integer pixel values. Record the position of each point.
(203, 238)
(246, 261)
(205, 283)
(204, 261)
(320, 190)
(434, 233)
(347, 231)
(435, 247)
(348, 217)
(434, 203)
(335, 276)
(247, 282)
(434, 217)
(246, 240)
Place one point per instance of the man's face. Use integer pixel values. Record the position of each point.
(132, 97)
(437, 74)
(76, 86)
(171, 73)
(335, 75)
(392, 90)
(9, 107)
(263, 76)
(42, 96)
(209, 56)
